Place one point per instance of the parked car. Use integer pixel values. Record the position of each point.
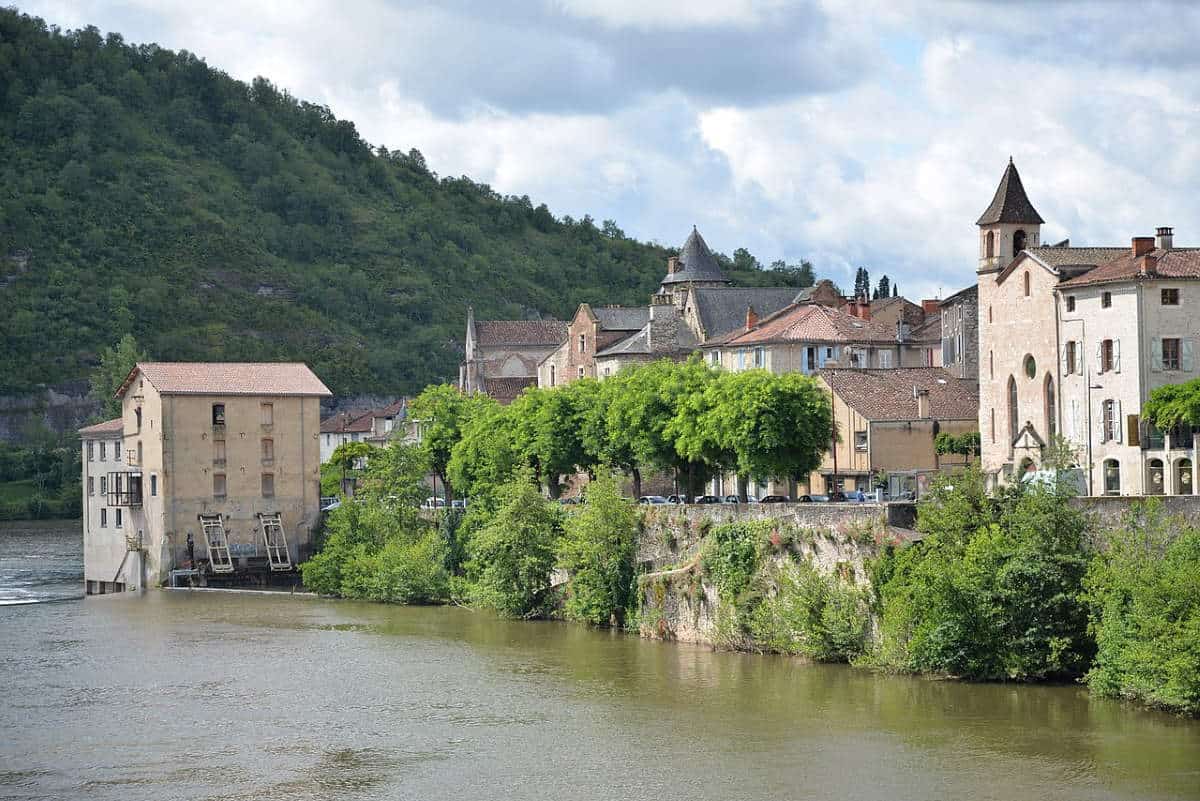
(736, 499)
(434, 503)
(653, 499)
(856, 495)
(708, 499)
(837, 497)
(459, 503)
(676, 499)
(805, 499)
(568, 501)
(775, 499)
(334, 504)
(816, 499)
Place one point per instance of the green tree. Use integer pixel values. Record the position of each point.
(349, 458)
(115, 365)
(512, 556)
(486, 455)
(1173, 404)
(548, 433)
(440, 411)
(862, 283)
(598, 550)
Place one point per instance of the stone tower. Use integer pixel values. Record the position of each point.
(695, 266)
(1009, 225)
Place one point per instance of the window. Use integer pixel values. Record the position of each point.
(218, 451)
(989, 314)
(1110, 413)
(1112, 477)
(1107, 358)
(1170, 297)
(1183, 477)
(218, 414)
(552, 375)
(153, 485)
(760, 357)
(810, 359)
(1026, 284)
(989, 245)
(268, 451)
(91, 451)
(103, 451)
(582, 343)
(1155, 483)
(885, 359)
(1106, 300)
(1012, 408)
(1070, 303)
(991, 365)
(1069, 357)
(714, 357)
(137, 413)
(581, 371)
(103, 518)
(116, 451)
(267, 413)
(103, 485)
(860, 441)
(268, 485)
(1051, 408)
(117, 517)
(1171, 354)
(139, 451)
(1030, 365)
(993, 425)
(326, 439)
(1018, 246)
(218, 485)
(91, 485)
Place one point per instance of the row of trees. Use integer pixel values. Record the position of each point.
(884, 289)
(684, 418)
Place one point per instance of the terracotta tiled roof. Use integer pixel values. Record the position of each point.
(1010, 204)
(1167, 264)
(888, 394)
(347, 423)
(521, 332)
(109, 429)
(811, 323)
(506, 390)
(229, 378)
(393, 409)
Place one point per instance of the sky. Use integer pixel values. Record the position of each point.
(869, 133)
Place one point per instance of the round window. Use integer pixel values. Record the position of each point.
(1030, 367)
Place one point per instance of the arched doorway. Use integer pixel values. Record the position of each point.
(1183, 477)
(1112, 477)
(1154, 477)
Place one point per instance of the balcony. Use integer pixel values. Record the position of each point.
(125, 489)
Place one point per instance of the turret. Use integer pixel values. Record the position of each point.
(1009, 225)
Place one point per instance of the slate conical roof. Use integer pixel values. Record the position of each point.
(1011, 204)
(696, 262)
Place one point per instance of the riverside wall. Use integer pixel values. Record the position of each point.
(678, 601)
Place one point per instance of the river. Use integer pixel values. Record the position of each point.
(207, 695)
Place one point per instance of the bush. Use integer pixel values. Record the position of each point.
(1144, 592)
(732, 556)
(513, 554)
(598, 549)
(810, 614)
(993, 592)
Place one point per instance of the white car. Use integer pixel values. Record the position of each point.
(334, 504)
(434, 503)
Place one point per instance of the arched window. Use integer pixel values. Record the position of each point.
(1018, 243)
(1183, 477)
(1012, 408)
(1154, 478)
(1027, 283)
(989, 246)
(552, 375)
(1051, 426)
(1112, 477)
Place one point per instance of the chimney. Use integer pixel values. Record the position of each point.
(930, 306)
(672, 265)
(1165, 237)
(751, 318)
(1147, 266)
(922, 396)
(663, 330)
(1142, 245)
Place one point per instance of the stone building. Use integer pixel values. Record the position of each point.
(1071, 342)
(502, 356)
(958, 324)
(227, 453)
(590, 331)
(104, 526)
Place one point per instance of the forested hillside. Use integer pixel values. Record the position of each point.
(143, 192)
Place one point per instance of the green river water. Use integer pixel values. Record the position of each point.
(190, 695)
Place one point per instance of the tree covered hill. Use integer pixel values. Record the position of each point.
(144, 192)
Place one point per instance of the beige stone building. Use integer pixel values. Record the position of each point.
(1071, 342)
(590, 332)
(104, 526)
(502, 356)
(228, 454)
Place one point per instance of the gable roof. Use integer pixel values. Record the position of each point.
(109, 429)
(520, 332)
(348, 423)
(1010, 204)
(622, 318)
(962, 294)
(696, 262)
(504, 390)
(638, 344)
(722, 310)
(805, 322)
(1182, 263)
(228, 378)
(928, 332)
(881, 395)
